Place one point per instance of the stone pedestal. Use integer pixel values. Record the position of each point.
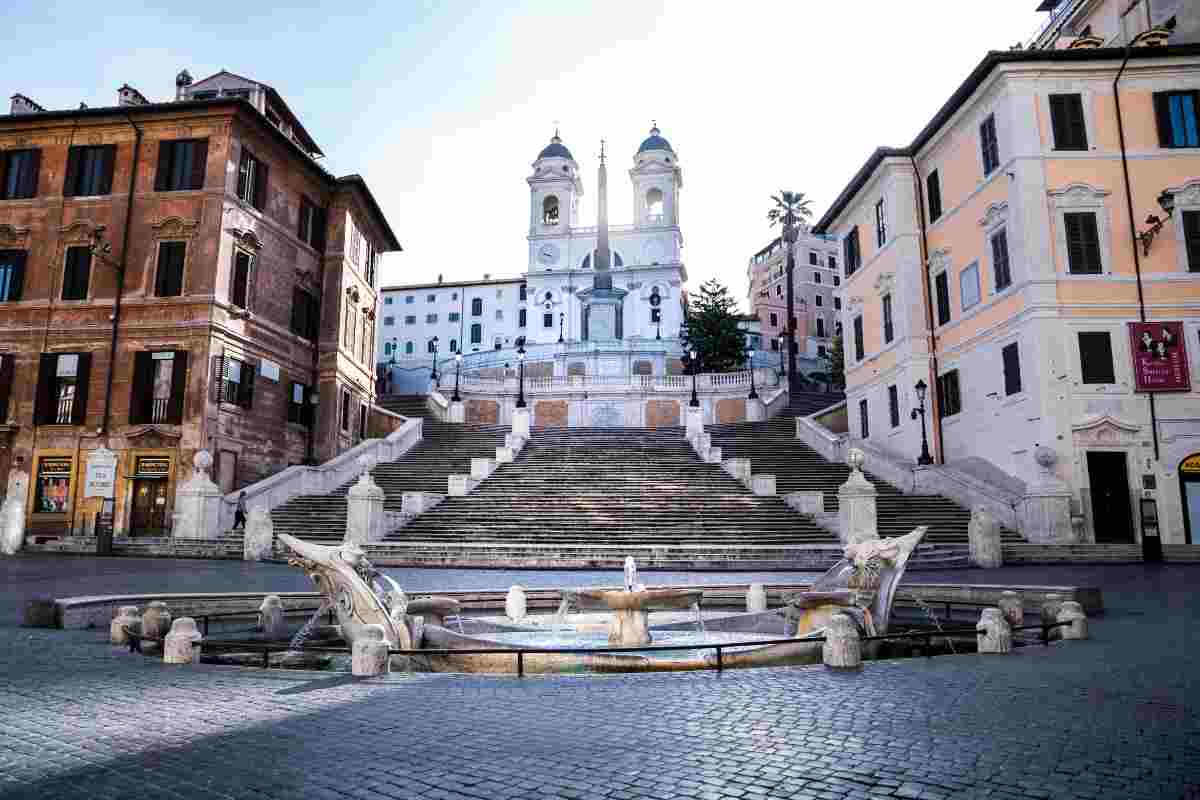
(415, 503)
(805, 502)
(763, 485)
(630, 627)
(1045, 509)
(739, 468)
(482, 468)
(12, 515)
(694, 417)
(460, 485)
(992, 634)
(1072, 612)
(127, 619)
(259, 538)
(198, 503)
(520, 422)
(505, 455)
(156, 622)
(369, 654)
(457, 412)
(271, 620)
(756, 599)
(514, 603)
(714, 456)
(1051, 605)
(364, 511)
(1013, 608)
(842, 648)
(856, 504)
(179, 645)
(983, 538)
(756, 410)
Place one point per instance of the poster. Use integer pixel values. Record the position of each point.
(100, 475)
(1160, 362)
(53, 486)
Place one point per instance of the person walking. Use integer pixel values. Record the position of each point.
(239, 514)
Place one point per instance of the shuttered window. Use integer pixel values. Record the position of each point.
(181, 165)
(894, 406)
(858, 339)
(880, 223)
(942, 289)
(477, 307)
(237, 382)
(1000, 265)
(863, 419)
(159, 387)
(12, 275)
(252, 180)
(1066, 120)
(933, 195)
(522, 316)
(1191, 233)
(304, 314)
(299, 410)
(1083, 243)
(988, 144)
(62, 391)
(888, 331)
(168, 280)
(1178, 118)
(77, 271)
(1095, 357)
(345, 411)
(1012, 369)
(949, 400)
(19, 174)
(8, 372)
(89, 170)
(851, 251)
(362, 420)
(239, 286)
(477, 333)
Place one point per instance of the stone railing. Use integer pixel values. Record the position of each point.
(775, 402)
(438, 405)
(831, 446)
(658, 384)
(970, 492)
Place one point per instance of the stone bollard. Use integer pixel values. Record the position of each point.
(520, 422)
(179, 645)
(983, 540)
(694, 421)
(515, 606)
(260, 535)
(40, 612)
(756, 599)
(369, 656)
(271, 620)
(857, 516)
(763, 485)
(156, 621)
(992, 633)
(364, 507)
(1072, 612)
(1051, 603)
(842, 648)
(128, 618)
(1013, 608)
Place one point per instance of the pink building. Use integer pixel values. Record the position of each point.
(815, 278)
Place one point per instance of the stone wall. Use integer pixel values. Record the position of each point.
(482, 412)
(731, 409)
(662, 414)
(550, 413)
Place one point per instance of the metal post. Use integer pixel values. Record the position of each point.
(695, 401)
(719, 665)
(266, 658)
(753, 393)
(521, 379)
(520, 663)
(457, 374)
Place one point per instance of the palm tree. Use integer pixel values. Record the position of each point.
(789, 209)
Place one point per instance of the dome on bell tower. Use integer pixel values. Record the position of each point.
(556, 149)
(655, 141)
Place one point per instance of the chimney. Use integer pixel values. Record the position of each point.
(182, 81)
(487, 276)
(439, 277)
(23, 105)
(129, 96)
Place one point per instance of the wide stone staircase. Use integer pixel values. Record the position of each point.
(802, 404)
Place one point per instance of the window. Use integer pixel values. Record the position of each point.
(863, 424)
(942, 285)
(522, 292)
(1000, 266)
(933, 196)
(1066, 121)
(305, 314)
(454, 345)
(168, 280)
(348, 324)
(19, 174)
(548, 320)
(431, 298)
(820, 349)
(62, 392)
(950, 400)
(362, 421)
(430, 319)
(774, 344)
(818, 300)
(774, 320)
(550, 210)
(820, 328)
(988, 145)
(887, 318)
(387, 301)
(477, 307)
(313, 221)
(389, 322)
(1012, 369)
(431, 346)
(1176, 113)
(837, 281)
(1095, 357)
(454, 316)
(1083, 243)
(858, 339)
(239, 289)
(409, 300)
(408, 348)
(851, 251)
(344, 411)
(299, 410)
(778, 290)
(812, 258)
(968, 286)
(454, 295)
(159, 384)
(12, 275)
(1191, 236)
(816, 277)
(654, 205)
(8, 369)
(237, 382)
(894, 406)
(880, 224)
(476, 333)
(837, 304)
(499, 314)
(522, 316)
(77, 273)
(252, 180)
(181, 164)
(833, 265)
(53, 486)
(411, 319)
(89, 170)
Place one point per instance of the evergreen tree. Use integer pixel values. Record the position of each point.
(711, 329)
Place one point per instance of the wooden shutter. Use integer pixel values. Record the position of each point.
(305, 211)
(18, 275)
(894, 406)
(1162, 114)
(246, 389)
(243, 174)
(1095, 357)
(241, 277)
(178, 388)
(1083, 243)
(1012, 369)
(162, 174)
(75, 273)
(320, 223)
(859, 350)
(261, 171)
(933, 189)
(4, 158)
(942, 282)
(1067, 123)
(220, 373)
(1191, 235)
(82, 379)
(29, 179)
(169, 280)
(44, 406)
(8, 363)
(1003, 275)
(199, 163)
(108, 158)
(70, 181)
(141, 389)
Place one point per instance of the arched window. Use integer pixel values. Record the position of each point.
(550, 210)
(408, 348)
(654, 205)
(454, 345)
(476, 333)
(477, 307)
(430, 346)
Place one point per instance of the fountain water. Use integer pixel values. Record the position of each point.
(631, 607)
(699, 616)
(309, 628)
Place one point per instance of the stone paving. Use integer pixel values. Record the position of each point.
(1116, 716)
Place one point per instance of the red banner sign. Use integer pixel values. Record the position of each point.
(1160, 362)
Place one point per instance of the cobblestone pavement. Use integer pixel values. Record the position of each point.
(1116, 716)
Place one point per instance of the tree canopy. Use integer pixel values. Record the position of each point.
(711, 329)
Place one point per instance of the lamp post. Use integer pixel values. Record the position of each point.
(393, 344)
(521, 373)
(695, 401)
(457, 374)
(750, 358)
(433, 376)
(925, 459)
(1166, 201)
(658, 322)
(561, 317)
(782, 371)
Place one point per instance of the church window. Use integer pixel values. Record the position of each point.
(550, 210)
(476, 333)
(431, 346)
(654, 205)
(547, 320)
(477, 307)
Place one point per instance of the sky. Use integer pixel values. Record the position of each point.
(443, 106)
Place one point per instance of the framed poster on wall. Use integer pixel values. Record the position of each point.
(1160, 361)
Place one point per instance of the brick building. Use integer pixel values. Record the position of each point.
(177, 276)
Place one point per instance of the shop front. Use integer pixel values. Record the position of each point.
(1189, 486)
(149, 485)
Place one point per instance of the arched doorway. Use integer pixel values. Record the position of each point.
(1189, 487)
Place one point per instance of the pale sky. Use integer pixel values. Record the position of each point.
(442, 106)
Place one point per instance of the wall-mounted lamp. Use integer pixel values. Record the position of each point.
(1167, 201)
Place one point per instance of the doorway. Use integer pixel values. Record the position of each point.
(1189, 486)
(1112, 510)
(149, 516)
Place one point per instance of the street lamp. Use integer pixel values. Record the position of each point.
(521, 379)
(753, 393)
(433, 376)
(393, 344)
(1166, 202)
(561, 317)
(457, 374)
(925, 459)
(782, 371)
(695, 402)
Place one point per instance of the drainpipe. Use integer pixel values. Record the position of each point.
(935, 418)
(1133, 240)
(116, 320)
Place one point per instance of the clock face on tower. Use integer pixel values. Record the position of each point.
(548, 254)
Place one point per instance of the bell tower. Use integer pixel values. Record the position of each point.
(656, 180)
(554, 190)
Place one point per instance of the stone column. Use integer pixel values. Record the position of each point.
(983, 538)
(259, 538)
(856, 503)
(364, 507)
(156, 622)
(369, 655)
(756, 599)
(992, 633)
(738, 468)
(842, 648)
(756, 410)
(179, 645)
(515, 603)
(1072, 612)
(520, 422)
(458, 412)
(1045, 510)
(127, 619)
(12, 515)
(198, 503)
(695, 421)
(271, 620)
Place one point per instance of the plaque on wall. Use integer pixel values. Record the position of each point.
(153, 467)
(100, 474)
(1159, 352)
